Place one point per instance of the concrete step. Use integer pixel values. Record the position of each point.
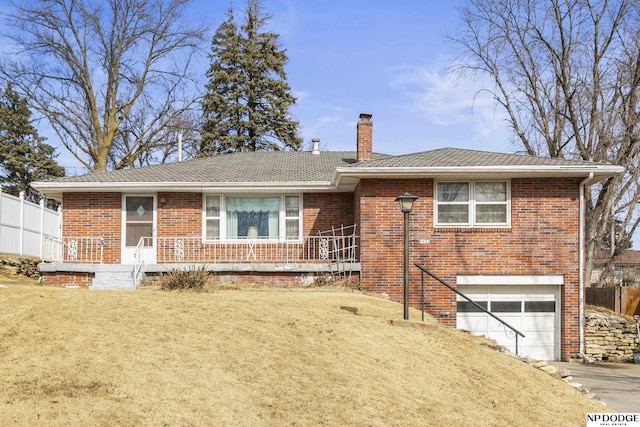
(111, 280)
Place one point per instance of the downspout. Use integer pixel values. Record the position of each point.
(581, 228)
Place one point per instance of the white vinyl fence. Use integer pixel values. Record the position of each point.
(23, 225)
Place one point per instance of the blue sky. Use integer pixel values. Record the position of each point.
(385, 58)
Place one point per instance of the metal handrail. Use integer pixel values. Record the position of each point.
(139, 259)
(442, 282)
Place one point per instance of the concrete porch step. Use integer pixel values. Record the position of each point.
(114, 280)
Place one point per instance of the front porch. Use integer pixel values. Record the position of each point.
(301, 261)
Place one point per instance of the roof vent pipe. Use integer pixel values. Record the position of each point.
(316, 146)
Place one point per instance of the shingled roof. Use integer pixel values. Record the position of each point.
(262, 166)
(456, 157)
(326, 171)
(287, 166)
(628, 258)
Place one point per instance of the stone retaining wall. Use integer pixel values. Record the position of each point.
(610, 336)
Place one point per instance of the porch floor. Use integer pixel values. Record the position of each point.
(354, 267)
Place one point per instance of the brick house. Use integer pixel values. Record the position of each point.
(625, 268)
(503, 229)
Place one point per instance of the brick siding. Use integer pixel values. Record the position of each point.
(100, 215)
(60, 279)
(542, 239)
(180, 215)
(94, 215)
(325, 210)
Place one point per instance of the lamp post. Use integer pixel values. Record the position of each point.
(406, 204)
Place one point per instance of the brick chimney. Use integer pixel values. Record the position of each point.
(365, 137)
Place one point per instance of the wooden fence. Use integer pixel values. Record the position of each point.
(625, 300)
(24, 224)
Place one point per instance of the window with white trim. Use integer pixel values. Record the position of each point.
(472, 203)
(212, 217)
(234, 216)
(292, 217)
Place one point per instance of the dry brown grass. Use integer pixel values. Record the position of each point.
(259, 358)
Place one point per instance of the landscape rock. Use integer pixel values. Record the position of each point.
(609, 337)
(563, 372)
(549, 369)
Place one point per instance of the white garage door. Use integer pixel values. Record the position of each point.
(533, 310)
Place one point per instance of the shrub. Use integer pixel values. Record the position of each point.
(192, 279)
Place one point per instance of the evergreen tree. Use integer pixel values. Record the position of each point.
(24, 157)
(248, 98)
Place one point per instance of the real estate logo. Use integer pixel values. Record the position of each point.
(613, 420)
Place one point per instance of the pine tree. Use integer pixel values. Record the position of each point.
(248, 98)
(24, 157)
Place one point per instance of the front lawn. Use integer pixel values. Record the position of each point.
(255, 358)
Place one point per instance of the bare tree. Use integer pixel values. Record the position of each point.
(567, 72)
(91, 66)
(138, 144)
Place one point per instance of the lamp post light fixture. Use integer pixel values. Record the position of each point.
(406, 205)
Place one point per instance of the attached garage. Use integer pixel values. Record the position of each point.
(530, 304)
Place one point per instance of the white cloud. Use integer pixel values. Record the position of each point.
(316, 127)
(447, 100)
(438, 97)
(300, 95)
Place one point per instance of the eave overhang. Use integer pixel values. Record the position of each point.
(346, 179)
(54, 190)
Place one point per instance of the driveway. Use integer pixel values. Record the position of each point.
(616, 384)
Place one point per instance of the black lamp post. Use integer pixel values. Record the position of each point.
(406, 204)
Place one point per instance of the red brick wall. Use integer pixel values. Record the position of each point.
(180, 215)
(67, 279)
(542, 239)
(100, 215)
(325, 210)
(94, 215)
(275, 279)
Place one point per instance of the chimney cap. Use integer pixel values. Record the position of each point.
(365, 116)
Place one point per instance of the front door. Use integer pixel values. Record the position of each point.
(139, 221)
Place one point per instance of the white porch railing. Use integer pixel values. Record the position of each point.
(82, 250)
(338, 245)
(175, 250)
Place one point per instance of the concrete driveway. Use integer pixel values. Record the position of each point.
(616, 384)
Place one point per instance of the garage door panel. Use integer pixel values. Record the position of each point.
(530, 309)
(539, 339)
(542, 292)
(506, 341)
(473, 323)
(539, 306)
(540, 323)
(502, 306)
(476, 293)
(539, 353)
(470, 307)
(512, 319)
